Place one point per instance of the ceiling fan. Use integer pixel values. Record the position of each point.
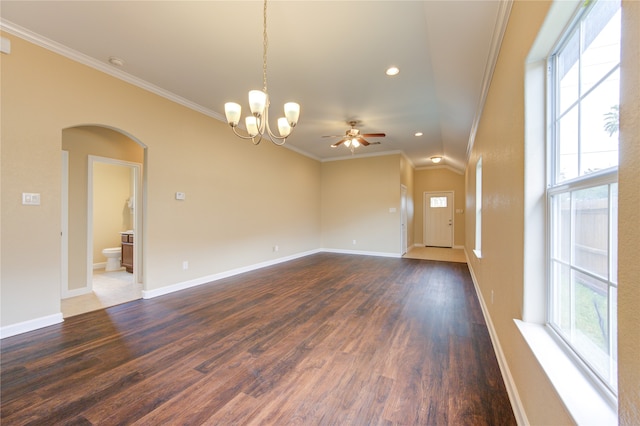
(353, 139)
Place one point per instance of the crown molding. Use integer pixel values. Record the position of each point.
(76, 56)
(441, 166)
(81, 58)
(53, 46)
(408, 160)
(367, 155)
(301, 152)
(502, 19)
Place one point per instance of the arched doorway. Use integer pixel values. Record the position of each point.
(96, 161)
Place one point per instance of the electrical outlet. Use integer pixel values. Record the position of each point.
(354, 242)
(276, 248)
(185, 264)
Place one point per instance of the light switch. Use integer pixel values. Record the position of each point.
(5, 45)
(30, 199)
(180, 196)
(392, 209)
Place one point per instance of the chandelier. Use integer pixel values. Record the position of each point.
(258, 122)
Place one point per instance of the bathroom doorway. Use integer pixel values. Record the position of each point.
(102, 205)
(113, 187)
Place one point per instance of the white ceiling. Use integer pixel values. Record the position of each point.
(329, 56)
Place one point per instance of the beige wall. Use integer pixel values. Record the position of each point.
(356, 197)
(629, 219)
(500, 143)
(241, 200)
(81, 142)
(112, 188)
(435, 179)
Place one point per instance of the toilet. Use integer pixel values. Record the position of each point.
(113, 258)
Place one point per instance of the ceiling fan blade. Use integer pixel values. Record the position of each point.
(374, 135)
(333, 136)
(363, 141)
(340, 142)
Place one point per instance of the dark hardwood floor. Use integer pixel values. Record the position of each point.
(327, 339)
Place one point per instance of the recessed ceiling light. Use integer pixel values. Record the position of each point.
(116, 61)
(418, 134)
(391, 71)
(436, 159)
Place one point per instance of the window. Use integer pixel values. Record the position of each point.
(478, 245)
(582, 188)
(437, 202)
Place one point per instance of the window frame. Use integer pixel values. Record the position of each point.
(607, 177)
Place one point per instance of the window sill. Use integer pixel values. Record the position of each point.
(582, 399)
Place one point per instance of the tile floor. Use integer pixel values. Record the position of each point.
(437, 253)
(109, 289)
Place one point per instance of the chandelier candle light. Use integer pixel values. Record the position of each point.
(258, 122)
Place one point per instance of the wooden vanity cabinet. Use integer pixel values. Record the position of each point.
(127, 252)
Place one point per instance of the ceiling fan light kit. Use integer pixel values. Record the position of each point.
(352, 138)
(258, 122)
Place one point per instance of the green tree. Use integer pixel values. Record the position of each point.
(612, 120)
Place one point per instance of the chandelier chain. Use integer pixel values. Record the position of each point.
(258, 122)
(265, 43)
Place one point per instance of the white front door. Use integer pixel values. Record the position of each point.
(438, 219)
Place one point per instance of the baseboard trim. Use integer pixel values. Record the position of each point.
(362, 253)
(150, 294)
(24, 327)
(512, 391)
(75, 292)
(31, 325)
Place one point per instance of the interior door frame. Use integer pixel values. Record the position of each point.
(404, 232)
(137, 216)
(425, 197)
(64, 227)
